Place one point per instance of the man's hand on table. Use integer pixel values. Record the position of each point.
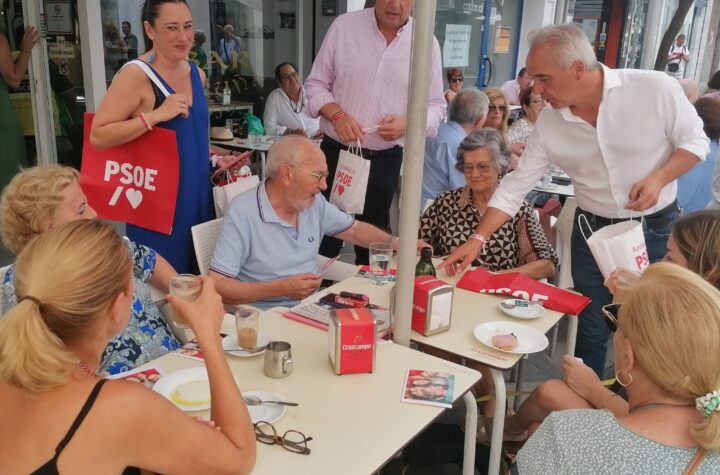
(299, 286)
(644, 194)
(461, 257)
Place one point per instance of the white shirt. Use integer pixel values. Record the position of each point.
(511, 89)
(281, 113)
(643, 118)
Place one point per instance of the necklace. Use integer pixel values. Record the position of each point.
(653, 405)
(294, 106)
(84, 366)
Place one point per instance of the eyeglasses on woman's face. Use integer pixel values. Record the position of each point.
(494, 108)
(291, 440)
(611, 313)
(482, 167)
(457, 79)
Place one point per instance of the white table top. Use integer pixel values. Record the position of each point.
(357, 421)
(469, 310)
(262, 145)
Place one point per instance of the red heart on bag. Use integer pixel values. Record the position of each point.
(340, 189)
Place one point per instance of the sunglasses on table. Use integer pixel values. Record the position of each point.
(460, 79)
(493, 108)
(291, 440)
(611, 313)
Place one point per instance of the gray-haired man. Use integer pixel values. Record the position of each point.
(467, 112)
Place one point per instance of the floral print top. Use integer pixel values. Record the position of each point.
(147, 335)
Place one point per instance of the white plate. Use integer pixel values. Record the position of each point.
(266, 412)
(187, 388)
(532, 311)
(551, 186)
(529, 339)
(230, 343)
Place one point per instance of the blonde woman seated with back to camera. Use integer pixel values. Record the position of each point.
(43, 197)
(665, 345)
(692, 245)
(74, 288)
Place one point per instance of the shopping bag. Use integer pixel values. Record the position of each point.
(136, 182)
(523, 287)
(617, 245)
(350, 181)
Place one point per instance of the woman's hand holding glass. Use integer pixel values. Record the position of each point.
(205, 315)
(580, 377)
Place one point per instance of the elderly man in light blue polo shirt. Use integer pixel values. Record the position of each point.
(467, 112)
(267, 250)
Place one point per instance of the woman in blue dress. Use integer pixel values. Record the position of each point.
(134, 104)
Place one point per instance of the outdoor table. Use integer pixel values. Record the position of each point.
(259, 146)
(356, 421)
(469, 310)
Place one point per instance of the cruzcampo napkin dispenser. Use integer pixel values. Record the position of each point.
(352, 340)
(432, 305)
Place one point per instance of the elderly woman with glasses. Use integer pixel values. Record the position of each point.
(519, 245)
(455, 83)
(667, 333)
(497, 118)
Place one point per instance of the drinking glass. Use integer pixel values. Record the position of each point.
(186, 287)
(625, 280)
(247, 324)
(380, 255)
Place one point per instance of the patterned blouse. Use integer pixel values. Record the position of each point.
(147, 335)
(520, 131)
(453, 217)
(592, 441)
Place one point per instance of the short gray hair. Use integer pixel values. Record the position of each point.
(468, 106)
(286, 151)
(569, 44)
(490, 140)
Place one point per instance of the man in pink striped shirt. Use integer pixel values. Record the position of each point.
(359, 87)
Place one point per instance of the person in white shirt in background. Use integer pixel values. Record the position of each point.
(621, 169)
(678, 57)
(512, 88)
(286, 106)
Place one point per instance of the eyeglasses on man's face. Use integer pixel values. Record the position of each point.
(611, 313)
(457, 79)
(467, 168)
(291, 440)
(493, 108)
(289, 76)
(319, 175)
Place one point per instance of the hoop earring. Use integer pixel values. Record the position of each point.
(152, 56)
(620, 382)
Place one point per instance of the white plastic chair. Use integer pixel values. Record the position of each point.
(205, 236)
(562, 228)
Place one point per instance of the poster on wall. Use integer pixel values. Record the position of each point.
(59, 17)
(502, 39)
(456, 46)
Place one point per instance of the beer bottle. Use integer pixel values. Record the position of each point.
(425, 266)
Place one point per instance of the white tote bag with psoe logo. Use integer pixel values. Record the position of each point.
(350, 181)
(619, 245)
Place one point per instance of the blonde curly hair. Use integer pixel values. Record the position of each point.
(30, 201)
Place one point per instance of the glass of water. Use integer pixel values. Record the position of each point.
(380, 255)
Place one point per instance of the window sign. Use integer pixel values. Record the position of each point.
(456, 46)
(59, 18)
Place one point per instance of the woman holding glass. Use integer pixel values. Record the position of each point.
(134, 105)
(74, 287)
(455, 83)
(665, 333)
